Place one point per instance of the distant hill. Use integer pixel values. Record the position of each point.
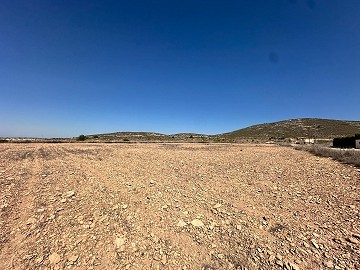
(150, 137)
(297, 128)
(278, 131)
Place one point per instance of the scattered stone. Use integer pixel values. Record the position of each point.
(329, 264)
(124, 206)
(293, 266)
(39, 259)
(181, 223)
(70, 193)
(119, 243)
(314, 243)
(218, 205)
(221, 256)
(352, 240)
(272, 259)
(54, 258)
(30, 221)
(63, 200)
(238, 227)
(73, 258)
(29, 257)
(163, 259)
(279, 263)
(197, 223)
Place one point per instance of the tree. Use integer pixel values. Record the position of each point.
(81, 137)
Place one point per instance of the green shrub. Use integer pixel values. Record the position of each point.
(81, 138)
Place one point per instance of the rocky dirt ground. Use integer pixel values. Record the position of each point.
(176, 206)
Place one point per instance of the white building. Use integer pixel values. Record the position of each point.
(309, 141)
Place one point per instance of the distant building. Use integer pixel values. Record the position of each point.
(357, 144)
(309, 141)
(302, 140)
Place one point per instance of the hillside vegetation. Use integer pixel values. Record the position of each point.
(298, 128)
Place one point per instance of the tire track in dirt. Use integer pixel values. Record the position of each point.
(19, 217)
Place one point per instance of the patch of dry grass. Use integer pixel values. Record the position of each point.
(349, 156)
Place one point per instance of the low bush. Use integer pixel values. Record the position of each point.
(81, 138)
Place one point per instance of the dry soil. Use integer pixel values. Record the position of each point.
(176, 206)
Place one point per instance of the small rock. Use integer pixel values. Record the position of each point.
(163, 259)
(218, 205)
(54, 258)
(352, 240)
(272, 259)
(314, 243)
(30, 221)
(70, 193)
(238, 227)
(221, 256)
(63, 200)
(329, 264)
(197, 223)
(181, 223)
(73, 258)
(119, 242)
(29, 257)
(124, 206)
(279, 263)
(39, 259)
(293, 266)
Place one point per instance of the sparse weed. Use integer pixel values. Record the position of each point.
(349, 156)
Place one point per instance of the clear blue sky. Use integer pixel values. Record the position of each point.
(84, 67)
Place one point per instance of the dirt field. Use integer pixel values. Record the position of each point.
(176, 206)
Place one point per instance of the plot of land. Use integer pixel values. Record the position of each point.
(176, 206)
